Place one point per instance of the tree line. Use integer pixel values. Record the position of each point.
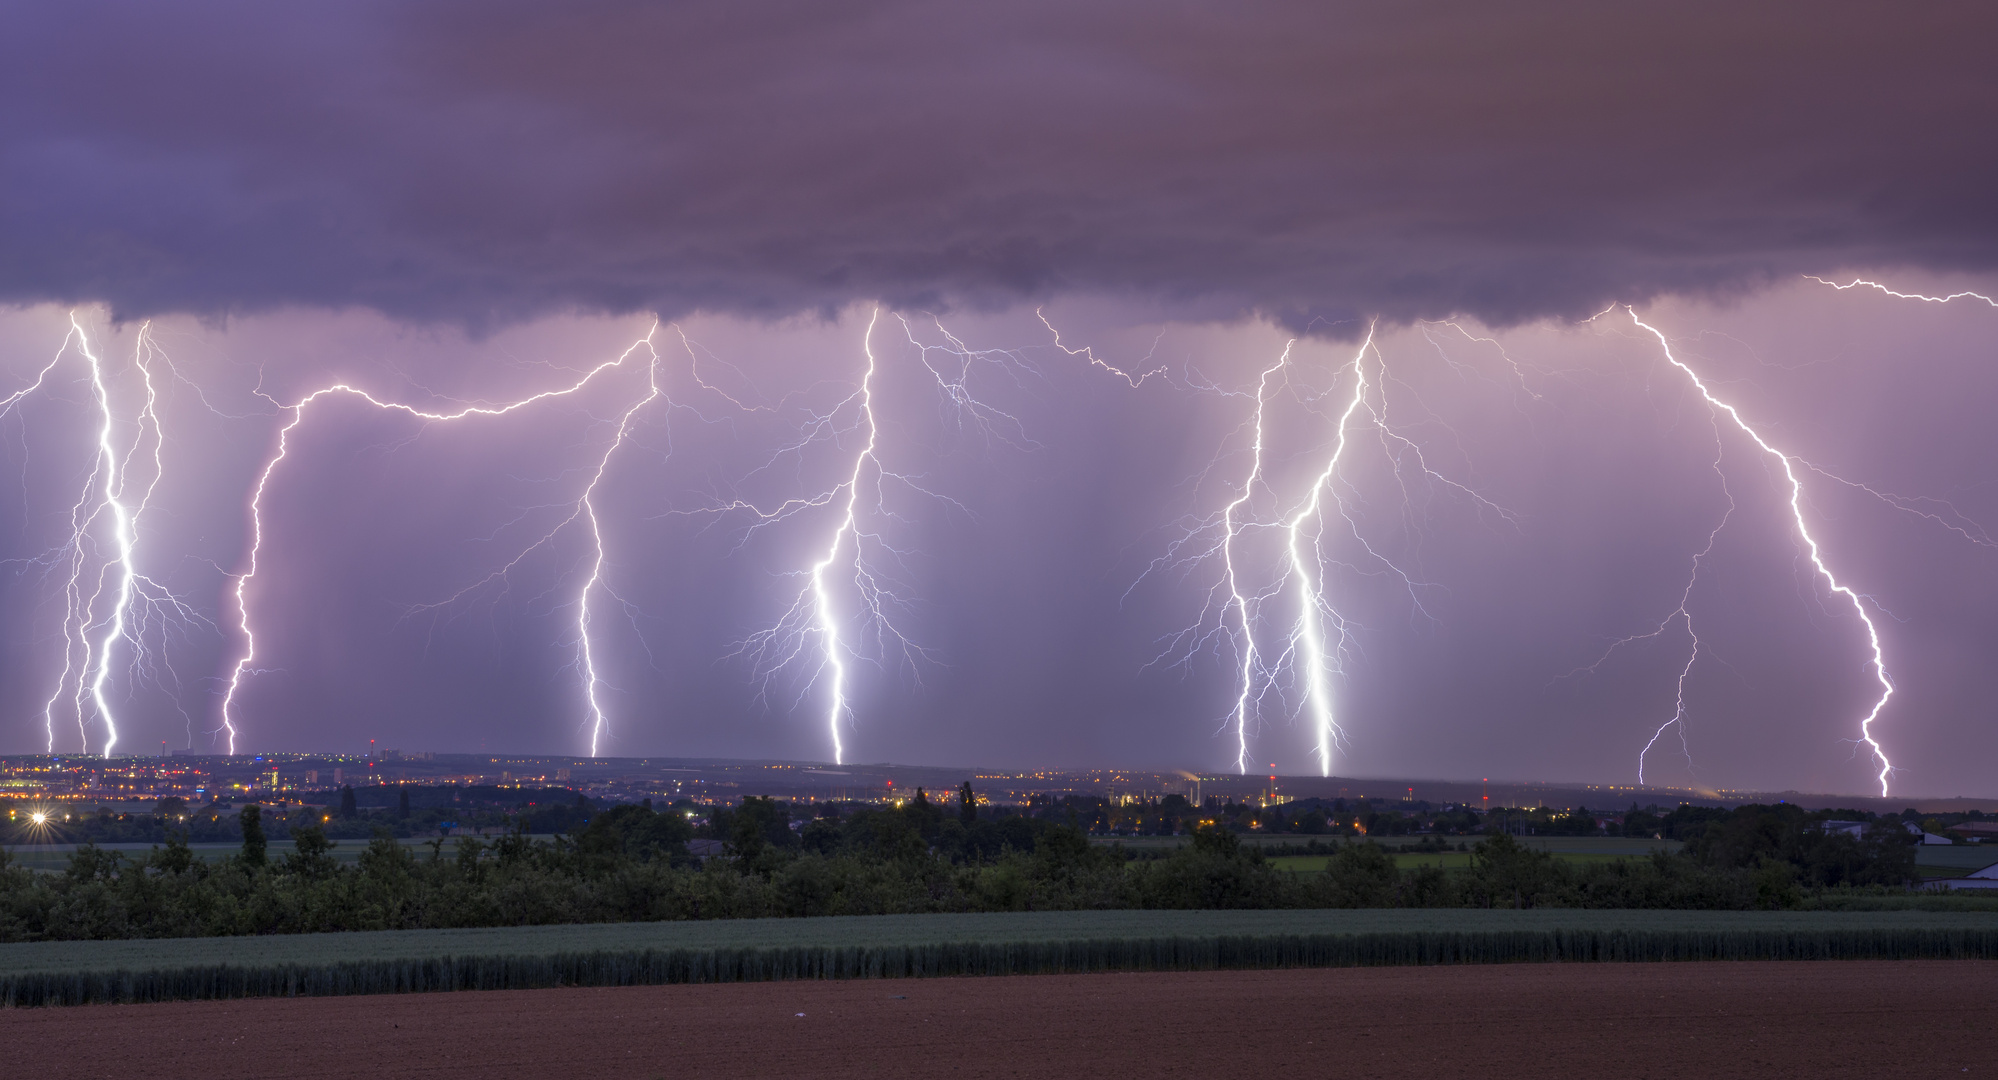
(634, 863)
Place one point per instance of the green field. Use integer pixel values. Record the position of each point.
(1576, 849)
(40, 973)
(1942, 861)
(1569, 846)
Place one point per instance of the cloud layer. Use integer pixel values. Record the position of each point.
(487, 162)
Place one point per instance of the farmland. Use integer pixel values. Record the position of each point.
(38, 973)
(1566, 849)
(1955, 861)
(1766, 1021)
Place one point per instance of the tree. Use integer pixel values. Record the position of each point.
(634, 832)
(402, 805)
(252, 819)
(313, 855)
(175, 858)
(820, 837)
(348, 808)
(967, 804)
(1508, 874)
(1361, 875)
(759, 823)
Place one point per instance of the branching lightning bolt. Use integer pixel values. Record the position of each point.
(1089, 354)
(584, 509)
(1815, 552)
(599, 724)
(813, 624)
(1682, 614)
(1320, 636)
(1314, 612)
(92, 628)
(1239, 603)
(814, 613)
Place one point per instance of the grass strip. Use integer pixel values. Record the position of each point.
(921, 946)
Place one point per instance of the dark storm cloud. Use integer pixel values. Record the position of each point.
(483, 162)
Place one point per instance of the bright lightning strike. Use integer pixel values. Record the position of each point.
(1314, 647)
(1314, 612)
(586, 647)
(107, 600)
(115, 470)
(1237, 602)
(814, 613)
(1815, 552)
(585, 509)
(858, 563)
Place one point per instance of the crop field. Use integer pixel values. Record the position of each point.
(1763, 1021)
(47, 973)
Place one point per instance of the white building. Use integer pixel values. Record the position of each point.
(1927, 837)
(1986, 878)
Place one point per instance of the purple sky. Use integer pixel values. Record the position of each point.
(477, 203)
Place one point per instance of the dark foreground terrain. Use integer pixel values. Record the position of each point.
(1545, 1021)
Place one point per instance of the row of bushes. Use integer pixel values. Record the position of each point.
(631, 864)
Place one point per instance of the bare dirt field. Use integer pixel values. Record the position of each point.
(1543, 1021)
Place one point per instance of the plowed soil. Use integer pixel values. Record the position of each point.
(1543, 1021)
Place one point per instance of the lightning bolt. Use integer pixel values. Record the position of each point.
(857, 560)
(1317, 641)
(1314, 611)
(584, 509)
(1858, 282)
(599, 723)
(814, 612)
(1680, 615)
(115, 470)
(1239, 603)
(72, 551)
(1088, 354)
(1790, 465)
(137, 604)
